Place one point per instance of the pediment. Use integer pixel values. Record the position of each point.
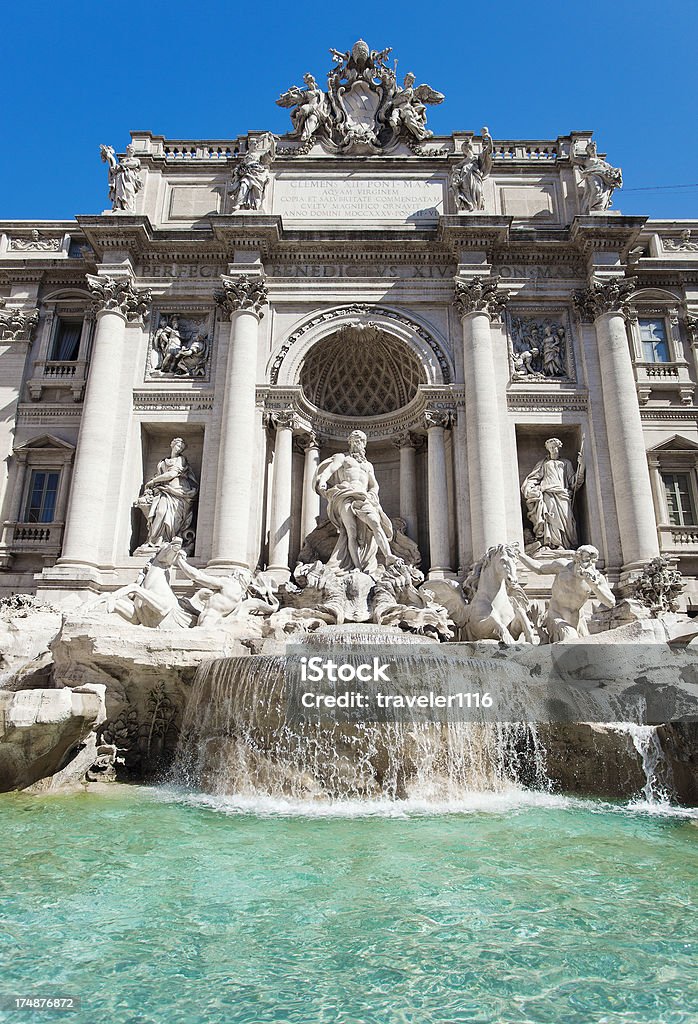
(675, 444)
(46, 441)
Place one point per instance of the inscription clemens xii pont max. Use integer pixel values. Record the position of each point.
(339, 198)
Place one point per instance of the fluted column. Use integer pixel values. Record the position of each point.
(478, 302)
(280, 519)
(603, 303)
(241, 299)
(310, 509)
(436, 423)
(89, 517)
(406, 443)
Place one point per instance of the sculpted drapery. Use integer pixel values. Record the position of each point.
(549, 491)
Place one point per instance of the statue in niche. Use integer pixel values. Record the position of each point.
(168, 501)
(310, 108)
(597, 178)
(549, 491)
(251, 175)
(124, 180)
(468, 177)
(179, 347)
(348, 482)
(576, 580)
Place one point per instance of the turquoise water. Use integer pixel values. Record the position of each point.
(152, 906)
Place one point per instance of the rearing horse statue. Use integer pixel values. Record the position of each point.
(497, 607)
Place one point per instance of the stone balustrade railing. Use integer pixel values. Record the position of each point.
(682, 539)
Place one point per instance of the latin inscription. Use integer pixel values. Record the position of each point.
(358, 198)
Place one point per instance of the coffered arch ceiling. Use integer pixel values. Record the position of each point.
(361, 370)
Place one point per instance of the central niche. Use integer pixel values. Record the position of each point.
(360, 371)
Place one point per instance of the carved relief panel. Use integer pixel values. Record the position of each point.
(540, 347)
(179, 346)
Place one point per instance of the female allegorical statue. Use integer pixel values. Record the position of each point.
(168, 500)
(549, 491)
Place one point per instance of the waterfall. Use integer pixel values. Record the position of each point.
(236, 738)
(657, 772)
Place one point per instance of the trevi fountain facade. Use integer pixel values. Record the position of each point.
(356, 381)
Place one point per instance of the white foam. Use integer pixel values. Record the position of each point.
(504, 802)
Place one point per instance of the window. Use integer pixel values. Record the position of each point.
(679, 499)
(41, 502)
(66, 341)
(655, 348)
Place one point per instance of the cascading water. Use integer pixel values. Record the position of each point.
(240, 735)
(237, 738)
(645, 740)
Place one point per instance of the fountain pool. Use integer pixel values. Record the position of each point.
(155, 905)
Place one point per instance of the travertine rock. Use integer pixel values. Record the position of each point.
(40, 728)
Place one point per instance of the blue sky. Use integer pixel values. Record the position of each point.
(76, 74)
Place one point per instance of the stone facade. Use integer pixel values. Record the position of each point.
(460, 299)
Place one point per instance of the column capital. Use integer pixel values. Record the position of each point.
(242, 293)
(118, 295)
(480, 295)
(407, 440)
(604, 297)
(442, 418)
(17, 324)
(283, 419)
(692, 327)
(307, 440)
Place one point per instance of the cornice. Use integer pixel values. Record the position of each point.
(257, 231)
(473, 231)
(107, 232)
(597, 232)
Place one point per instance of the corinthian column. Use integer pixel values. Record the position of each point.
(310, 510)
(280, 524)
(241, 300)
(92, 518)
(479, 302)
(408, 482)
(603, 303)
(436, 423)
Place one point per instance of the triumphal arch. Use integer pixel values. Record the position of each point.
(520, 357)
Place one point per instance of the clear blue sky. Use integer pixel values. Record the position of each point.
(78, 73)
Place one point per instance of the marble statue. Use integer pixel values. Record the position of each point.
(251, 174)
(468, 177)
(309, 108)
(124, 180)
(497, 607)
(400, 600)
(597, 178)
(576, 580)
(168, 501)
(364, 108)
(228, 598)
(549, 491)
(151, 601)
(349, 484)
(408, 113)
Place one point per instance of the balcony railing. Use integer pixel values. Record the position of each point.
(679, 539)
(56, 373)
(42, 539)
